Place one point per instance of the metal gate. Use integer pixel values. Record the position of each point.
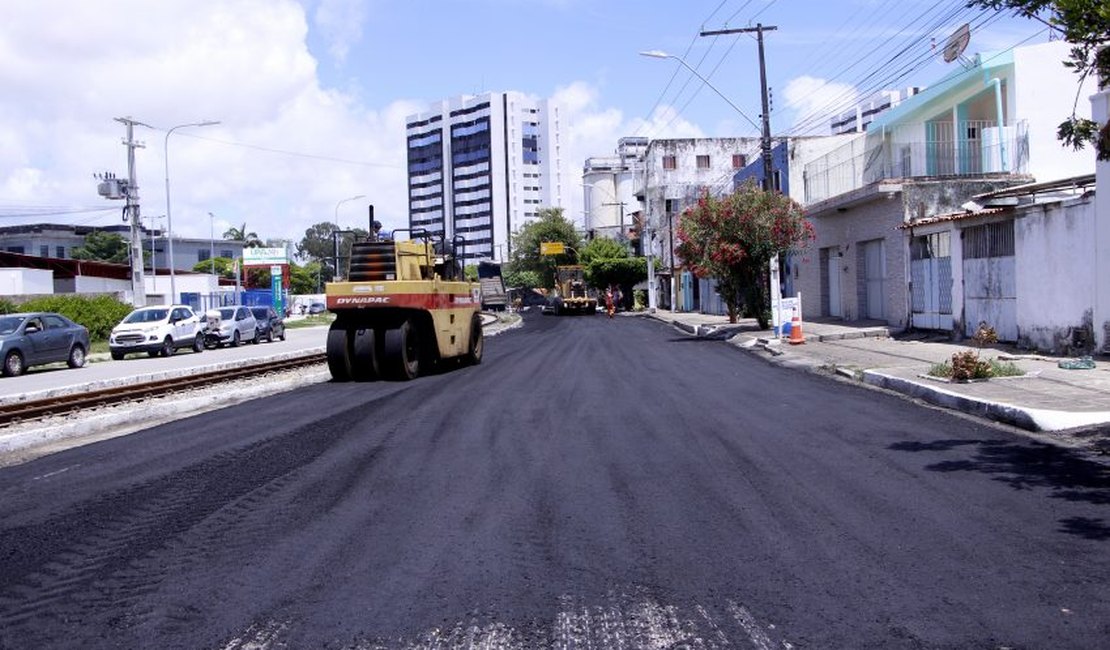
(990, 287)
(931, 278)
(874, 280)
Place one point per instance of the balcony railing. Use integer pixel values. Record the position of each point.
(967, 148)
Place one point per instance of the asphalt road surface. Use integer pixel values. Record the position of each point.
(593, 484)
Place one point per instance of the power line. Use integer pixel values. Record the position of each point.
(285, 152)
(885, 72)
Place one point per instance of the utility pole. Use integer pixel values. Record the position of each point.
(621, 204)
(764, 146)
(138, 288)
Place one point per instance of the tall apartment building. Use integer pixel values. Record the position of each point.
(482, 166)
(857, 118)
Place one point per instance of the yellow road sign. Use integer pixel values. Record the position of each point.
(552, 248)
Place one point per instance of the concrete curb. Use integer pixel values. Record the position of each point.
(1029, 419)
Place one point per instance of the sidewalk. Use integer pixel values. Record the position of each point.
(1046, 399)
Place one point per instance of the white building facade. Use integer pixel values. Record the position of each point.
(609, 189)
(482, 166)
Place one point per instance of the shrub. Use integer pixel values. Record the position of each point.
(967, 365)
(98, 313)
(7, 306)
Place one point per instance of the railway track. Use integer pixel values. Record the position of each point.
(15, 413)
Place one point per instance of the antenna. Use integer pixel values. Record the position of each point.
(956, 44)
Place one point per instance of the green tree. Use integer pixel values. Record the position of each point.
(318, 246)
(551, 226)
(608, 262)
(304, 279)
(1085, 24)
(733, 238)
(103, 247)
(224, 267)
(523, 279)
(249, 239)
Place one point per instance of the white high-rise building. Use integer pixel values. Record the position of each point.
(482, 166)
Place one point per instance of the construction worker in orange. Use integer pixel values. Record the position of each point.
(610, 302)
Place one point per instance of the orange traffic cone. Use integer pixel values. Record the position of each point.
(796, 337)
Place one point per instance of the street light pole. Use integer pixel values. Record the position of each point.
(212, 241)
(334, 238)
(169, 219)
(764, 128)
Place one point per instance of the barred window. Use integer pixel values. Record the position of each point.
(988, 240)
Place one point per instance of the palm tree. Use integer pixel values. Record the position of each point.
(249, 239)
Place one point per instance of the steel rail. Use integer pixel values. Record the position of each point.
(73, 403)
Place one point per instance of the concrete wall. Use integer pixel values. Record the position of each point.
(1100, 112)
(14, 282)
(1054, 246)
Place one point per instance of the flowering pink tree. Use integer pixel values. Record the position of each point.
(733, 238)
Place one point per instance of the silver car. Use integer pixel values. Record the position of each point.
(229, 325)
(35, 338)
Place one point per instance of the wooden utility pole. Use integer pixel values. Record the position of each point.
(764, 146)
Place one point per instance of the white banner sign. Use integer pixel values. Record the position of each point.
(264, 256)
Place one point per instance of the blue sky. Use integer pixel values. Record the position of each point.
(312, 95)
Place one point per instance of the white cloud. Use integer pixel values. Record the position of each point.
(340, 22)
(813, 100)
(243, 62)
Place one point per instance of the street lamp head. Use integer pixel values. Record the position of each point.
(656, 54)
(207, 123)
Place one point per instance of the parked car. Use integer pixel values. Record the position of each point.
(157, 330)
(230, 325)
(317, 308)
(34, 338)
(270, 326)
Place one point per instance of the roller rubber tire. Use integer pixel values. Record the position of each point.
(364, 355)
(401, 352)
(339, 353)
(477, 342)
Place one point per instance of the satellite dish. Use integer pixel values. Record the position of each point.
(957, 43)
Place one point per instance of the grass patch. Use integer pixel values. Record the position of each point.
(997, 369)
(315, 320)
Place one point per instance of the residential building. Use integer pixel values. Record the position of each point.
(985, 127)
(57, 241)
(788, 160)
(610, 183)
(480, 167)
(50, 239)
(676, 173)
(1019, 261)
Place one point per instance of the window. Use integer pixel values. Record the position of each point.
(988, 240)
(54, 322)
(739, 161)
(668, 162)
(15, 249)
(202, 255)
(229, 254)
(703, 162)
(670, 206)
(44, 251)
(60, 252)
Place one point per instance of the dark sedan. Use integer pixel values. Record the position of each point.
(35, 338)
(270, 325)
